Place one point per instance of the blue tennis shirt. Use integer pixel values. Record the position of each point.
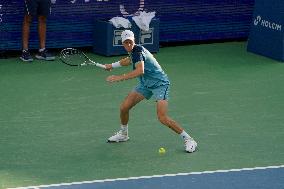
(154, 75)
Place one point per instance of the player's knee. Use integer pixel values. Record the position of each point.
(123, 108)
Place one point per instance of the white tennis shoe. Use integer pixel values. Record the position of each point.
(120, 136)
(190, 145)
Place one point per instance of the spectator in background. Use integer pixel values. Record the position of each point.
(39, 9)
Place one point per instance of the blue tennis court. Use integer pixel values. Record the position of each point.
(271, 177)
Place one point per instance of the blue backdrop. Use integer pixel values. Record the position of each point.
(71, 21)
(267, 29)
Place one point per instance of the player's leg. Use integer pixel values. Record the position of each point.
(161, 94)
(162, 109)
(130, 101)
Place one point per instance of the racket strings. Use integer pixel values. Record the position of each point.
(73, 57)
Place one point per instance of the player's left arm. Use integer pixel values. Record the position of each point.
(139, 70)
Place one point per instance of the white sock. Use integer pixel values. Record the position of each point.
(124, 128)
(184, 135)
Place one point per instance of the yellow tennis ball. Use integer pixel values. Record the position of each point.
(162, 150)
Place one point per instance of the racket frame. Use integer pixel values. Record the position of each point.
(87, 61)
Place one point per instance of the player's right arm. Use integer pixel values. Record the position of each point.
(123, 62)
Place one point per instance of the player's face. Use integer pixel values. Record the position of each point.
(128, 45)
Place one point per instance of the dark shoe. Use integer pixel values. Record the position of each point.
(26, 56)
(44, 55)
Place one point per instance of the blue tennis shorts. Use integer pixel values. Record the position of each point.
(37, 7)
(158, 93)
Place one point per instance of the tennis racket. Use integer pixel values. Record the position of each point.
(75, 57)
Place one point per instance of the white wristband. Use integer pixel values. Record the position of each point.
(116, 64)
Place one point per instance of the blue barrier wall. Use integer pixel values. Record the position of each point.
(71, 21)
(267, 29)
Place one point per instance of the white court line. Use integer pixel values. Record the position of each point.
(153, 176)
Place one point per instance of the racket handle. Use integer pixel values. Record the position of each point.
(100, 65)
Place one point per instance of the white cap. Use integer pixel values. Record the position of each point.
(127, 34)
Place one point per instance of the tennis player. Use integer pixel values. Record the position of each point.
(153, 82)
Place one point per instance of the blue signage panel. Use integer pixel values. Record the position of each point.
(107, 39)
(267, 29)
